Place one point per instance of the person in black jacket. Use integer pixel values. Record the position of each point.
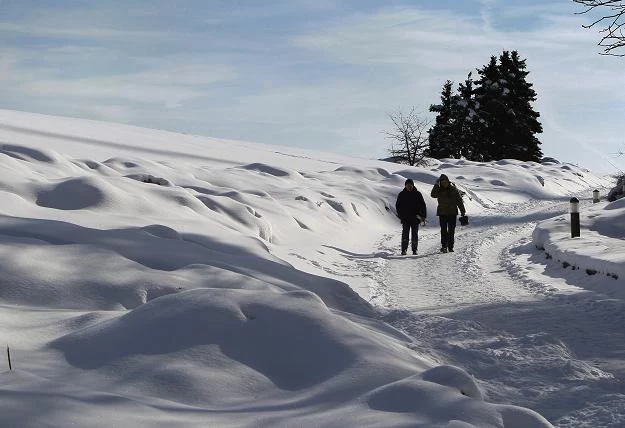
(411, 210)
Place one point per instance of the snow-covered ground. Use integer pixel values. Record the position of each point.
(156, 279)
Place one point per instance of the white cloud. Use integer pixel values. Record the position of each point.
(486, 13)
(403, 37)
(170, 85)
(79, 32)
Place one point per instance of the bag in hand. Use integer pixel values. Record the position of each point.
(464, 220)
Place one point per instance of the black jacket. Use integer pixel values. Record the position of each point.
(409, 205)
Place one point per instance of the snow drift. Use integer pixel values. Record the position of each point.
(175, 280)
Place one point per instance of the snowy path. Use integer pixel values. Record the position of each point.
(531, 337)
(475, 274)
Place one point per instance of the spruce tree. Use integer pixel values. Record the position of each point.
(524, 123)
(505, 97)
(441, 138)
(491, 118)
(467, 125)
(491, 112)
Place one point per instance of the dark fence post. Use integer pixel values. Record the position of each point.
(575, 229)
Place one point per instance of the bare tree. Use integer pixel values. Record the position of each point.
(409, 137)
(612, 17)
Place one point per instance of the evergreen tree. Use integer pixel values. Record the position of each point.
(488, 119)
(467, 126)
(441, 138)
(457, 124)
(491, 111)
(524, 145)
(504, 96)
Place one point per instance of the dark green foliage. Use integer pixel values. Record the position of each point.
(442, 135)
(487, 95)
(468, 124)
(490, 118)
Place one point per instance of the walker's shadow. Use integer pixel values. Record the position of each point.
(378, 255)
(411, 256)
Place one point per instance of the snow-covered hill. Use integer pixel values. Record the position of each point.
(149, 278)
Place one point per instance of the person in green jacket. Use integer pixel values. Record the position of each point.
(449, 200)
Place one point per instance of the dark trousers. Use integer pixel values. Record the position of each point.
(406, 236)
(448, 228)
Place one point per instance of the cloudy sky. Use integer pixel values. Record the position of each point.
(319, 74)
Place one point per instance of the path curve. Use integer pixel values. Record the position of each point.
(530, 339)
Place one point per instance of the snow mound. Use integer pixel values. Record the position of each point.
(610, 221)
(616, 205)
(523, 181)
(270, 170)
(448, 165)
(121, 164)
(89, 166)
(423, 180)
(440, 405)
(518, 417)
(161, 231)
(367, 173)
(150, 179)
(74, 194)
(239, 213)
(60, 263)
(454, 377)
(288, 341)
(27, 154)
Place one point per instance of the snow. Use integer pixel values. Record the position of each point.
(600, 250)
(149, 278)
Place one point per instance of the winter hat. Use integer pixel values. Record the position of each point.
(409, 181)
(443, 177)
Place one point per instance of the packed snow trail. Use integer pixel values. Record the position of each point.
(530, 338)
(434, 282)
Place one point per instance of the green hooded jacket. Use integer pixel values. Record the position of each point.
(449, 199)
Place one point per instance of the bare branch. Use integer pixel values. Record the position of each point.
(612, 33)
(409, 133)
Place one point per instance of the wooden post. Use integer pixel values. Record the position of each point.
(9, 357)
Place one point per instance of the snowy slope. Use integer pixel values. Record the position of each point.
(158, 279)
(601, 247)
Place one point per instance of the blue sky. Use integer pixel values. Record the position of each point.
(315, 74)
